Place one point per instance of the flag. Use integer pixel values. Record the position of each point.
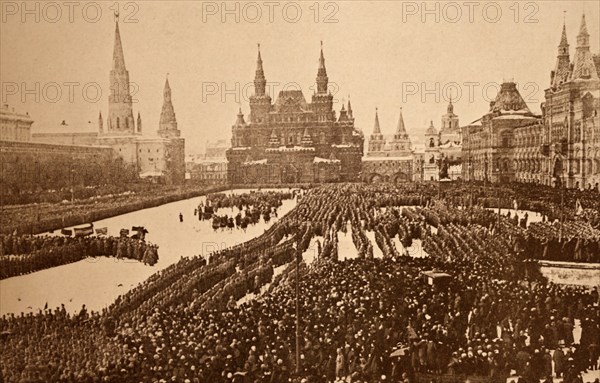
(46, 306)
(102, 231)
(578, 207)
(515, 204)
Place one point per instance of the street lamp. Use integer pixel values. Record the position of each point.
(470, 180)
(498, 171)
(560, 181)
(302, 214)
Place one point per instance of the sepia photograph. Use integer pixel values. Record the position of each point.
(299, 191)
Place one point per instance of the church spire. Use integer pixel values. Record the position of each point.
(259, 79)
(583, 65)
(322, 78)
(168, 122)
(100, 123)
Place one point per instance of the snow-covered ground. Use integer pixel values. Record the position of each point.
(377, 253)
(580, 277)
(97, 282)
(346, 247)
(312, 253)
(416, 249)
(399, 246)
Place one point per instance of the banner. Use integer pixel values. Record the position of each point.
(102, 231)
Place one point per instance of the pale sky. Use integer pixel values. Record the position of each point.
(379, 52)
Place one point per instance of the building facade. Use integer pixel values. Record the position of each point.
(561, 147)
(292, 140)
(571, 114)
(14, 126)
(529, 163)
(489, 143)
(210, 168)
(388, 158)
(443, 149)
(29, 167)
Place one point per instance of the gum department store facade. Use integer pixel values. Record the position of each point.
(562, 146)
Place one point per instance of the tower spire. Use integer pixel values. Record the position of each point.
(401, 129)
(240, 118)
(167, 127)
(350, 109)
(563, 62)
(322, 78)
(583, 65)
(376, 128)
(583, 38)
(118, 56)
(563, 37)
(259, 79)
(120, 113)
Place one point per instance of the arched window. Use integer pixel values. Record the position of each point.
(431, 143)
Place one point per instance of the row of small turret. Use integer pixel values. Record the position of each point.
(400, 145)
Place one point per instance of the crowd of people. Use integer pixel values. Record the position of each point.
(551, 202)
(24, 254)
(251, 208)
(41, 217)
(365, 319)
